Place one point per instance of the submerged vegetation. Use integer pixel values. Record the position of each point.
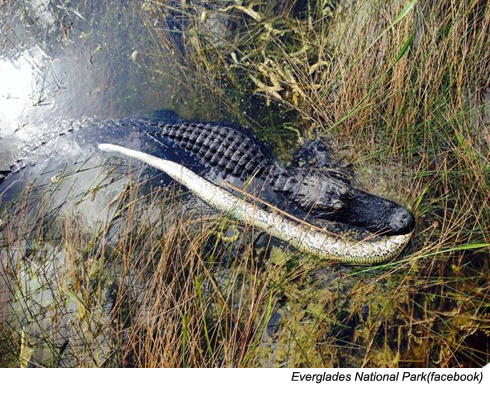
(400, 92)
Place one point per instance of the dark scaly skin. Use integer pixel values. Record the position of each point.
(235, 157)
(232, 158)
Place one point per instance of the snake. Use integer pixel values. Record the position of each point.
(310, 239)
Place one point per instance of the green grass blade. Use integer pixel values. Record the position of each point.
(404, 12)
(201, 303)
(184, 338)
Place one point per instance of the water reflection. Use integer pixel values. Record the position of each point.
(16, 91)
(63, 60)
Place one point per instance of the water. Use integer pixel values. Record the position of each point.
(63, 60)
(67, 64)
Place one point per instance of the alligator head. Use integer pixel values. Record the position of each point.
(323, 196)
(323, 193)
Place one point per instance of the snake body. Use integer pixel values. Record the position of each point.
(302, 236)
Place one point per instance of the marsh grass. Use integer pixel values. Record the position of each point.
(160, 281)
(399, 90)
(157, 282)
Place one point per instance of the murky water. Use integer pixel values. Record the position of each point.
(63, 65)
(63, 60)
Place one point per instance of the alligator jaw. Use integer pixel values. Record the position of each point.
(311, 240)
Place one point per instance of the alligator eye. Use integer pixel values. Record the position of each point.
(338, 205)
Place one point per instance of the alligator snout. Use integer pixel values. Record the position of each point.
(376, 214)
(401, 221)
(325, 197)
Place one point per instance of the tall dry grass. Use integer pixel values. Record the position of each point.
(153, 285)
(399, 90)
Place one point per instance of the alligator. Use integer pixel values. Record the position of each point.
(303, 202)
